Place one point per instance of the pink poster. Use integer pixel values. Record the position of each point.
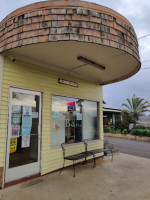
(15, 131)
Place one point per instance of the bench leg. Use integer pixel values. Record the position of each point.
(62, 167)
(94, 161)
(111, 156)
(74, 169)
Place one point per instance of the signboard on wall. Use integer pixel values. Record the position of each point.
(66, 82)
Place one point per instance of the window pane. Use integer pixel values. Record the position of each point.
(71, 117)
(90, 120)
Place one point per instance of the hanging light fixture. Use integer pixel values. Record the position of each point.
(90, 62)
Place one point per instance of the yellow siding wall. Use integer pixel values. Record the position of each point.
(27, 76)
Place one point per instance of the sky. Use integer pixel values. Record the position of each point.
(138, 13)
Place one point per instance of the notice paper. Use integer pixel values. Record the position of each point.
(25, 130)
(16, 120)
(78, 116)
(16, 109)
(15, 131)
(13, 145)
(55, 115)
(26, 121)
(27, 111)
(25, 141)
(35, 114)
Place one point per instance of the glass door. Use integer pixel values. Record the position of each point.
(24, 133)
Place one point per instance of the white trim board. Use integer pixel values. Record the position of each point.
(1, 75)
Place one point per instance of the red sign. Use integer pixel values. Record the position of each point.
(71, 103)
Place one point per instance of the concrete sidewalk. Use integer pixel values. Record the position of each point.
(127, 178)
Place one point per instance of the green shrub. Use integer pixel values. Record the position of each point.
(141, 132)
(125, 131)
(124, 124)
(107, 129)
(139, 127)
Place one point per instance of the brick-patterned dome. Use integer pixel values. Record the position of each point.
(70, 20)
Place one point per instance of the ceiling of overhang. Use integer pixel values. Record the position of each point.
(62, 56)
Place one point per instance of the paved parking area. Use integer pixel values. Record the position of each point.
(128, 177)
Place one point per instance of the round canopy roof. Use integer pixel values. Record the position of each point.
(77, 38)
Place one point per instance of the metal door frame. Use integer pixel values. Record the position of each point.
(25, 168)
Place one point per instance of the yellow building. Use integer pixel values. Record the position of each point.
(54, 58)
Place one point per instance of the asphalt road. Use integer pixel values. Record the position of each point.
(132, 147)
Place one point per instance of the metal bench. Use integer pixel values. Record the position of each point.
(75, 157)
(95, 151)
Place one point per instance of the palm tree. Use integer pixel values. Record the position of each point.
(136, 107)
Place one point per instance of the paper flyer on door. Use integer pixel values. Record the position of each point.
(13, 145)
(25, 141)
(25, 130)
(15, 131)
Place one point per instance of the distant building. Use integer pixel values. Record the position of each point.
(110, 114)
(144, 120)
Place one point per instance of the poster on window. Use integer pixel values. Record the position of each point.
(78, 116)
(16, 120)
(13, 145)
(26, 121)
(27, 111)
(15, 131)
(16, 109)
(25, 141)
(25, 130)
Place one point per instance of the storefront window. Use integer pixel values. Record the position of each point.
(73, 120)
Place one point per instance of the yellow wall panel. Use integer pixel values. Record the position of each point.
(27, 76)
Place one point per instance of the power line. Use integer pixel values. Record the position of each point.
(145, 61)
(144, 36)
(146, 68)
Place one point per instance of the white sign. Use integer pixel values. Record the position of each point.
(65, 82)
(25, 141)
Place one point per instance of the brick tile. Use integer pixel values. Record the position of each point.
(62, 30)
(43, 38)
(75, 23)
(52, 38)
(88, 32)
(45, 24)
(27, 21)
(79, 11)
(53, 30)
(113, 31)
(46, 12)
(58, 11)
(40, 12)
(95, 19)
(50, 17)
(106, 42)
(76, 37)
(87, 24)
(96, 33)
(80, 17)
(88, 39)
(70, 11)
(59, 23)
(10, 27)
(94, 13)
(110, 23)
(63, 37)
(96, 40)
(85, 12)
